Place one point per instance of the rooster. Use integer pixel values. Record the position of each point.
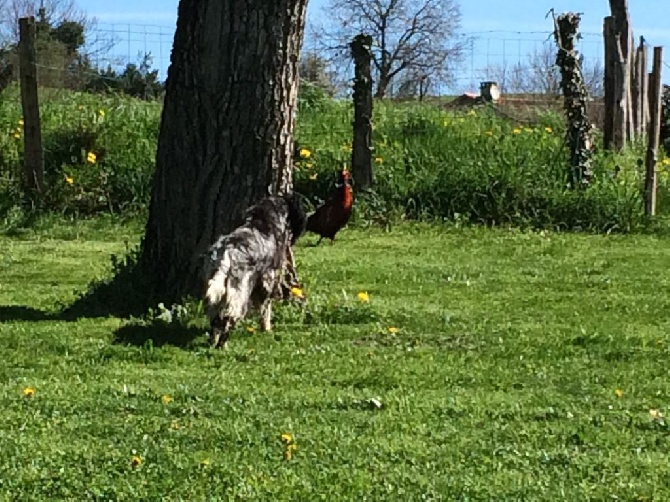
(329, 218)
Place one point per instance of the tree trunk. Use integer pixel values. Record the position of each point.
(382, 85)
(226, 130)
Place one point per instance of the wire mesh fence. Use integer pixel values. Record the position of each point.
(521, 62)
(487, 55)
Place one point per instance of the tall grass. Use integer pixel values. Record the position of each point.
(99, 151)
(429, 162)
(473, 165)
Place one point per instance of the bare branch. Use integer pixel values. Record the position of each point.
(409, 36)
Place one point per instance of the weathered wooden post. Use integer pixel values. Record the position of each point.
(624, 41)
(609, 36)
(361, 153)
(654, 133)
(575, 96)
(33, 178)
(644, 85)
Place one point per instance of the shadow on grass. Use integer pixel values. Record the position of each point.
(113, 298)
(124, 294)
(159, 334)
(118, 296)
(23, 313)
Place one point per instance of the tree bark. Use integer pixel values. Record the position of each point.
(226, 130)
(382, 85)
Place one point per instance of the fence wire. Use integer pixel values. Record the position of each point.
(487, 55)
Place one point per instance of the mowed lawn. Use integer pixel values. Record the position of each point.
(522, 365)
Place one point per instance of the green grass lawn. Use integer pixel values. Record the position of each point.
(524, 366)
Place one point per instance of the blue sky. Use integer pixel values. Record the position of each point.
(498, 31)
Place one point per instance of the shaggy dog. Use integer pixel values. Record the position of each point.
(244, 269)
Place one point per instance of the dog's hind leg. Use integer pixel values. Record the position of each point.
(270, 283)
(266, 315)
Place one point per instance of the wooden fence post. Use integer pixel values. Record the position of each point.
(643, 87)
(609, 35)
(636, 92)
(624, 37)
(654, 133)
(361, 152)
(33, 178)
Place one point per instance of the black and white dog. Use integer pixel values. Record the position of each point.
(244, 269)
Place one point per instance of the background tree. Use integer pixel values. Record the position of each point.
(314, 70)
(226, 131)
(538, 74)
(57, 11)
(66, 39)
(416, 37)
(137, 80)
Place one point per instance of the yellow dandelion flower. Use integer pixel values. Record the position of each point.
(69, 180)
(548, 130)
(101, 112)
(313, 176)
(91, 158)
(516, 130)
(654, 414)
(20, 122)
(17, 135)
(363, 296)
(618, 393)
(305, 153)
(205, 462)
(251, 329)
(489, 133)
(309, 165)
(166, 399)
(392, 330)
(666, 161)
(379, 160)
(286, 437)
(296, 292)
(135, 460)
(29, 391)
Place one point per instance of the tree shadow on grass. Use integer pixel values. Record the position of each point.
(115, 297)
(124, 294)
(159, 334)
(10, 313)
(119, 296)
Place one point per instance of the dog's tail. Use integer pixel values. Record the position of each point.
(217, 286)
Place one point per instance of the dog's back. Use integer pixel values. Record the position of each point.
(241, 267)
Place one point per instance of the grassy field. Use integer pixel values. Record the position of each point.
(487, 364)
